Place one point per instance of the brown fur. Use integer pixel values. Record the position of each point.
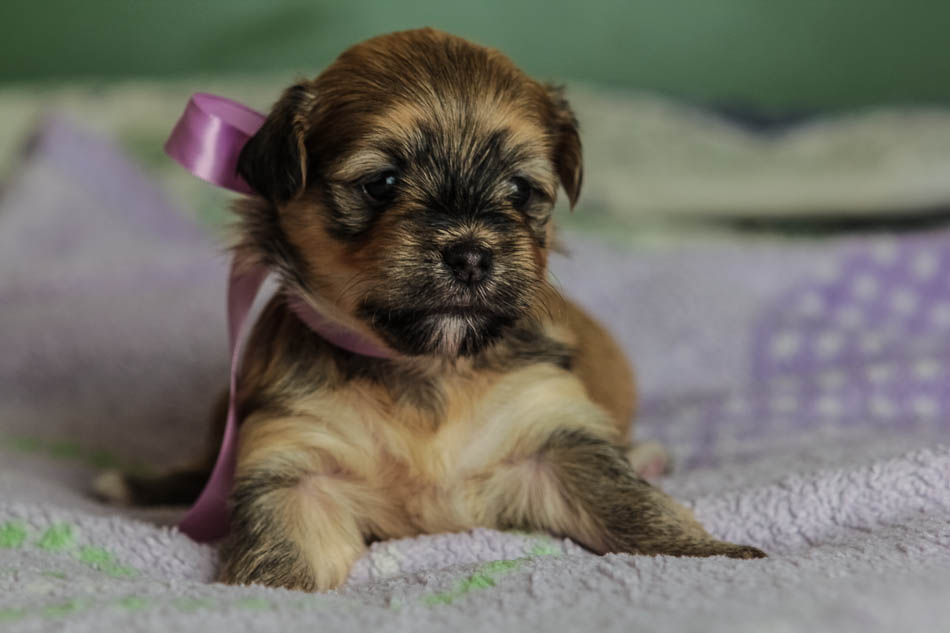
(510, 409)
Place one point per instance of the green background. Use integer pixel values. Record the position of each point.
(780, 54)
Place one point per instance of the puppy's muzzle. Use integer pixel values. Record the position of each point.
(469, 262)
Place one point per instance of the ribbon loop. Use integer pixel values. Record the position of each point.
(207, 141)
(208, 138)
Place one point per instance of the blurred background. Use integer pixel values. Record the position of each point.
(794, 116)
(780, 55)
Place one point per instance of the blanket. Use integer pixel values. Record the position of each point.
(803, 388)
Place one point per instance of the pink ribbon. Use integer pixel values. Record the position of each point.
(207, 141)
(207, 520)
(209, 136)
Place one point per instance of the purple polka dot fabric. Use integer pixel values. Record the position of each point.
(863, 344)
(872, 340)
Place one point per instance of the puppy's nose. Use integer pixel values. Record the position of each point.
(469, 262)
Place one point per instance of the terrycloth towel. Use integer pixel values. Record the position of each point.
(803, 388)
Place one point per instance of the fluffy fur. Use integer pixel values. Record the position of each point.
(407, 191)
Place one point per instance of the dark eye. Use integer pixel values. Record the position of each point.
(519, 192)
(382, 188)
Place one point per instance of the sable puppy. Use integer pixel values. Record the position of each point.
(407, 192)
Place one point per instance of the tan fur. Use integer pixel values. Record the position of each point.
(366, 459)
(366, 463)
(601, 365)
(504, 405)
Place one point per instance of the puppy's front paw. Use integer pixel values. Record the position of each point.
(747, 552)
(111, 486)
(269, 561)
(721, 548)
(649, 459)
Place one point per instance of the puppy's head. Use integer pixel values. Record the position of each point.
(409, 189)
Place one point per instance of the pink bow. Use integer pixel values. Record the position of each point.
(207, 141)
(208, 138)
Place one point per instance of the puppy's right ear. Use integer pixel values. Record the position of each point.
(274, 161)
(567, 143)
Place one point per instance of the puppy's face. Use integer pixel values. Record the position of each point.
(409, 188)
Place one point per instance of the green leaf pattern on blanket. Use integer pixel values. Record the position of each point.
(61, 537)
(68, 450)
(104, 562)
(130, 602)
(12, 534)
(58, 537)
(133, 602)
(487, 575)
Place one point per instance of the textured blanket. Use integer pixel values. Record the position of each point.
(804, 389)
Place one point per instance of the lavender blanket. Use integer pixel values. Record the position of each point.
(803, 387)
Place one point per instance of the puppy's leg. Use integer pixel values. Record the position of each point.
(295, 509)
(179, 486)
(584, 488)
(290, 531)
(603, 368)
(649, 459)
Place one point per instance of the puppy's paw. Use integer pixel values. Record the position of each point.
(649, 459)
(111, 486)
(747, 552)
(731, 550)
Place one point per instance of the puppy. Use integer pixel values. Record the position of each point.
(407, 193)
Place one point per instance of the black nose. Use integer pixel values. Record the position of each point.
(469, 262)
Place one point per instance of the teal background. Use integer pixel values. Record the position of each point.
(779, 54)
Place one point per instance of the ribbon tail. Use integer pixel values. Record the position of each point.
(208, 519)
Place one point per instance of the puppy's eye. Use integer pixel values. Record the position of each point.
(519, 192)
(382, 188)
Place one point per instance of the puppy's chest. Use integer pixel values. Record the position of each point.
(482, 421)
(427, 470)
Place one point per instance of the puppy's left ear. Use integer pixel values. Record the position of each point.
(274, 161)
(567, 157)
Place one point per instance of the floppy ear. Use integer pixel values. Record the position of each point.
(567, 143)
(274, 161)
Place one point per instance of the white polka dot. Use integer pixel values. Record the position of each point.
(786, 344)
(784, 404)
(884, 252)
(904, 301)
(729, 445)
(850, 317)
(926, 369)
(828, 406)
(881, 407)
(787, 383)
(828, 271)
(684, 354)
(924, 265)
(941, 314)
(736, 405)
(881, 373)
(688, 414)
(865, 287)
(924, 406)
(871, 343)
(832, 379)
(829, 344)
(681, 432)
(811, 305)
